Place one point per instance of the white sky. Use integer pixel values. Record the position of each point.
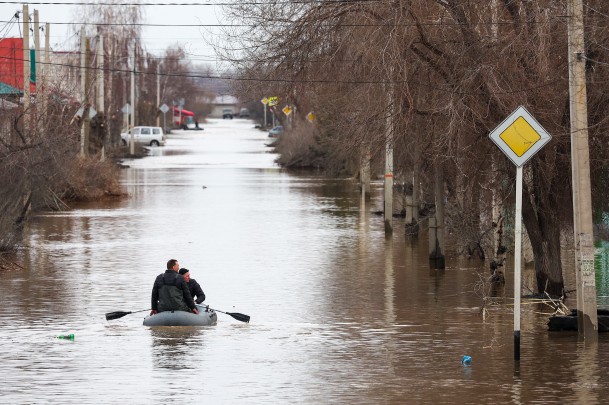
(156, 39)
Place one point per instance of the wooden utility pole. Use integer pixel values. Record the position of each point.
(580, 165)
(26, 68)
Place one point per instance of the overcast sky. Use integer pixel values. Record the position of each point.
(156, 39)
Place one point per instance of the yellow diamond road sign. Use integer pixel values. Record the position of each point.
(520, 136)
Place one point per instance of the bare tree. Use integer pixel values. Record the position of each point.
(457, 69)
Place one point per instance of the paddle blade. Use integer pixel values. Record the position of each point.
(239, 317)
(115, 315)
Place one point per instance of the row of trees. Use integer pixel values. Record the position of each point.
(438, 75)
(40, 161)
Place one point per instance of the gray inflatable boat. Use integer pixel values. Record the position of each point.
(206, 317)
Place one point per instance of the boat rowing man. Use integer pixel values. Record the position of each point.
(170, 291)
(194, 287)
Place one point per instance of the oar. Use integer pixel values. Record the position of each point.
(236, 315)
(119, 314)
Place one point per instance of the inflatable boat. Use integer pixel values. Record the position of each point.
(206, 317)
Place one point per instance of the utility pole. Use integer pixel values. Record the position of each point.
(84, 89)
(37, 66)
(580, 156)
(26, 68)
(101, 130)
(45, 73)
(132, 112)
(158, 94)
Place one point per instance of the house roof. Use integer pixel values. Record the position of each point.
(225, 99)
(6, 90)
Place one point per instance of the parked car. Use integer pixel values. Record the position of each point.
(152, 136)
(244, 113)
(227, 113)
(276, 131)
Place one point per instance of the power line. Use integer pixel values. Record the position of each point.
(287, 22)
(293, 81)
(252, 3)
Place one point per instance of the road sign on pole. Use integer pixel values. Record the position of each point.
(519, 136)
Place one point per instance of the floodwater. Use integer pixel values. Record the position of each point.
(339, 314)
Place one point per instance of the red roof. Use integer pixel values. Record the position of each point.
(184, 112)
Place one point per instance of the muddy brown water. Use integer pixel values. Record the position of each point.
(339, 313)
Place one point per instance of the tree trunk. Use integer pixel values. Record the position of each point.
(543, 228)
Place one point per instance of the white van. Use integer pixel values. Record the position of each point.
(152, 136)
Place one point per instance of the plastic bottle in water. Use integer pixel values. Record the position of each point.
(466, 360)
(68, 337)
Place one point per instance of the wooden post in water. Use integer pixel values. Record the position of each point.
(436, 253)
(365, 174)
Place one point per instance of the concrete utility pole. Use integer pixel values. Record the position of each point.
(84, 88)
(37, 65)
(580, 157)
(132, 108)
(101, 130)
(45, 73)
(26, 68)
(158, 95)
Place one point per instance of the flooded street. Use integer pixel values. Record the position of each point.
(339, 314)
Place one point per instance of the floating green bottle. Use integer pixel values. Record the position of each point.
(68, 337)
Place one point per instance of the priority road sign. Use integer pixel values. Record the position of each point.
(520, 136)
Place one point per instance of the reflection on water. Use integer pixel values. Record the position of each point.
(176, 348)
(340, 313)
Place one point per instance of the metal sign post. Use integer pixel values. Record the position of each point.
(519, 136)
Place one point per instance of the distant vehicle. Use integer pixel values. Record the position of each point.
(276, 131)
(152, 136)
(227, 113)
(183, 119)
(244, 113)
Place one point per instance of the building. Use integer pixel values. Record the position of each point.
(221, 102)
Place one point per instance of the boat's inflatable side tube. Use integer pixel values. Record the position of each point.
(206, 317)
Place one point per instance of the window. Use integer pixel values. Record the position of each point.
(156, 131)
(145, 131)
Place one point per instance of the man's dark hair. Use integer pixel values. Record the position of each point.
(171, 263)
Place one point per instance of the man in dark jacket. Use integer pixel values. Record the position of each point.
(170, 291)
(193, 286)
